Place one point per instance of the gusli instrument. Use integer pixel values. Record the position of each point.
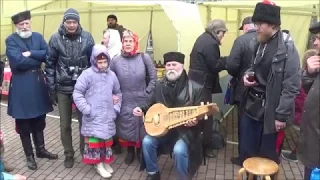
(159, 119)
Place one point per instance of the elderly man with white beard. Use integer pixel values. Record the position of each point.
(174, 90)
(28, 101)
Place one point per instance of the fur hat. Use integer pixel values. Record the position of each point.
(173, 56)
(21, 16)
(315, 28)
(267, 12)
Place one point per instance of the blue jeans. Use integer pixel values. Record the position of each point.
(180, 153)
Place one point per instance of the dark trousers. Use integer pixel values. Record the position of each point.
(207, 125)
(65, 110)
(256, 144)
(307, 173)
(35, 127)
(240, 114)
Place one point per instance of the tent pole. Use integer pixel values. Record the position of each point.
(90, 17)
(239, 15)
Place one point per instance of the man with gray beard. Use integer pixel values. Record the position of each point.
(174, 90)
(28, 101)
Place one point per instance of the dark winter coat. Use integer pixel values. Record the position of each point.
(206, 63)
(239, 61)
(67, 51)
(28, 94)
(190, 135)
(283, 82)
(309, 146)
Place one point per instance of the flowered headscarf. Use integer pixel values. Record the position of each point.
(136, 48)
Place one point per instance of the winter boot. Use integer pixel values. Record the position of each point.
(41, 152)
(28, 150)
(130, 156)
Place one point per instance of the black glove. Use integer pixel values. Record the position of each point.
(53, 98)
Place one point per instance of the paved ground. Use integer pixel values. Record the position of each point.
(217, 168)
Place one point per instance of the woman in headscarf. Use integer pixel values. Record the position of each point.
(112, 40)
(137, 76)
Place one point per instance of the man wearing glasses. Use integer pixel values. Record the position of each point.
(272, 82)
(68, 55)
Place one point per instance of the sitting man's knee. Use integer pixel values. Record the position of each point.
(180, 148)
(148, 141)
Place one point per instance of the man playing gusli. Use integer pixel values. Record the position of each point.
(174, 90)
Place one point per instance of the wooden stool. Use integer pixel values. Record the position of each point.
(260, 167)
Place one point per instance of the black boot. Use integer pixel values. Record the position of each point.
(116, 148)
(138, 152)
(154, 176)
(209, 152)
(27, 147)
(130, 156)
(41, 152)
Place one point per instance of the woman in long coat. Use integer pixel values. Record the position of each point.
(137, 77)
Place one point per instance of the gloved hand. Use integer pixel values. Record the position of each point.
(53, 98)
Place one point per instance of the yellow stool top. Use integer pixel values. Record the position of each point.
(260, 166)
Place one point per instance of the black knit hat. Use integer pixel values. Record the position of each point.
(21, 16)
(71, 14)
(315, 28)
(173, 56)
(112, 16)
(267, 12)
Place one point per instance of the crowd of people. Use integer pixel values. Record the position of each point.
(113, 84)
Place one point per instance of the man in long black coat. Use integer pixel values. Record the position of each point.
(237, 63)
(174, 90)
(205, 65)
(28, 101)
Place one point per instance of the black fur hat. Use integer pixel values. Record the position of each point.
(21, 16)
(267, 12)
(315, 28)
(173, 56)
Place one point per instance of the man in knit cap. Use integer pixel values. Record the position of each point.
(309, 146)
(205, 65)
(272, 81)
(68, 55)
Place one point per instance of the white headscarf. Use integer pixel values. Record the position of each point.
(114, 45)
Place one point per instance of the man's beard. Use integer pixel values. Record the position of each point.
(173, 75)
(262, 38)
(24, 34)
(112, 25)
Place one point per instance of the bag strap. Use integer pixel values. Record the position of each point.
(144, 62)
(190, 91)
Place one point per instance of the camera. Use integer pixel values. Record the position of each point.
(76, 71)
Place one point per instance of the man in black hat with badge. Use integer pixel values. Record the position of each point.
(174, 90)
(28, 101)
(237, 63)
(272, 81)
